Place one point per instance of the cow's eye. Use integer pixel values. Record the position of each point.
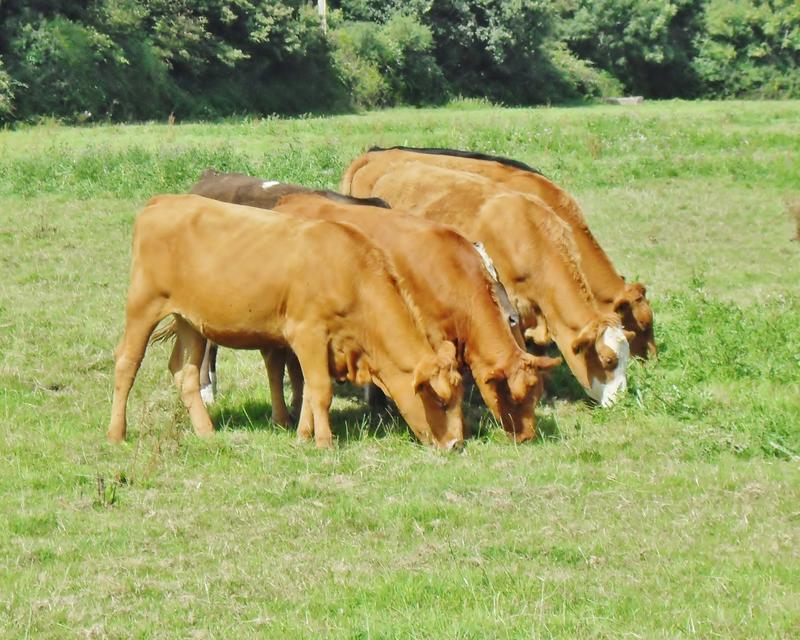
(512, 321)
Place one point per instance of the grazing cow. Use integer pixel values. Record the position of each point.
(533, 251)
(238, 188)
(252, 279)
(610, 290)
(447, 279)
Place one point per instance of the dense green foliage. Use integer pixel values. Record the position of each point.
(139, 59)
(750, 48)
(673, 514)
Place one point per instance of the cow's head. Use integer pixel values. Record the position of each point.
(603, 351)
(633, 308)
(438, 384)
(512, 392)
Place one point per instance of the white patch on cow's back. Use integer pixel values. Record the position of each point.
(505, 302)
(486, 259)
(268, 184)
(607, 393)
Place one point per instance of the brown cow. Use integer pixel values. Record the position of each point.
(629, 301)
(238, 188)
(252, 279)
(533, 251)
(447, 279)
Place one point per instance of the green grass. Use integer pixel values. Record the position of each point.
(673, 514)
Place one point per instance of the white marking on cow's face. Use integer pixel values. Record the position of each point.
(607, 393)
(268, 184)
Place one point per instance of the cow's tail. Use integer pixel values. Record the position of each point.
(166, 332)
(346, 185)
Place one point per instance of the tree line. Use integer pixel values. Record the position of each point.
(144, 59)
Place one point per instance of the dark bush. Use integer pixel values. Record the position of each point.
(389, 63)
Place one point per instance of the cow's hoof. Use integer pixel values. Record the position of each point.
(114, 438)
(282, 420)
(325, 443)
(305, 434)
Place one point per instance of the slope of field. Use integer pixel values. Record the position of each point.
(675, 513)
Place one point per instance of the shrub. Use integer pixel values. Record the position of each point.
(582, 77)
(646, 44)
(750, 48)
(71, 69)
(387, 64)
(6, 93)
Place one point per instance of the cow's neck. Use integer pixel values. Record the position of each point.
(393, 340)
(487, 338)
(603, 279)
(601, 275)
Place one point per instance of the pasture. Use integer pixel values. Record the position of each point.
(675, 513)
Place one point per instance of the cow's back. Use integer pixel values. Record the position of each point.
(511, 175)
(225, 265)
(436, 264)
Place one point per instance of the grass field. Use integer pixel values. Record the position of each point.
(674, 514)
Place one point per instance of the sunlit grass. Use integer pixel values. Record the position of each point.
(672, 514)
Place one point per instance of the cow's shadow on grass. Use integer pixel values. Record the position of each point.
(355, 421)
(358, 421)
(561, 384)
(483, 426)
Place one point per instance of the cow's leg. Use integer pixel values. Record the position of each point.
(176, 361)
(296, 380)
(375, 398)
(208, 373)
(141, 319)
(305, 423)
(275, 360)
(317, 391)
(194, 344)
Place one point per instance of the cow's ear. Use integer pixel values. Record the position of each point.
(621, 302)
(629, 335)
(439, 371)
(524, 378)
(441, 381)
(639, 288)
(585, 338)
(422, 373)
(442, 385)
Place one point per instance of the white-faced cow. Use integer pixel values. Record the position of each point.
(612, 293)
(533, 250)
